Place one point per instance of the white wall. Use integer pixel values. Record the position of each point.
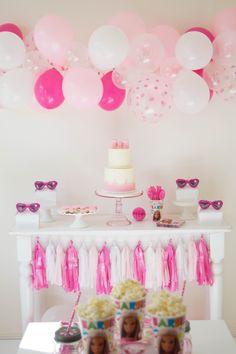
(71, 145)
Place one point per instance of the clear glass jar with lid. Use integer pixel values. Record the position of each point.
(68, 343)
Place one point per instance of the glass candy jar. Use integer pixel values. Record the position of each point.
(68, 343)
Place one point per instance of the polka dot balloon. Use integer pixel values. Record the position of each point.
(150, 97)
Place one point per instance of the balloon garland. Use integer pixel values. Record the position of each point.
(156, 70)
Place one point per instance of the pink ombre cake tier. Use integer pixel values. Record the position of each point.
(119, 188)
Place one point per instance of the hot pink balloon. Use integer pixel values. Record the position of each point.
(202, 30)
(10, 27)
(131, 24)
(225, 21)
(54, 37)
(168, 36)
(113, 96)
(48, 89)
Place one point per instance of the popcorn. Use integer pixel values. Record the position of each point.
(98, 308)
(128, 290)
(165, 304)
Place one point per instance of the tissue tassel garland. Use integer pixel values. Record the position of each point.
(60, 255)
(139, 264)
(92, 269)
(39, 280)
(150, 261)
(84, 264)
(192, 260)
(126, 263)
(204, 271)
(160, 261)
(181, 261)
(50, 262)
(70, 279)
(103, 285)
(115, 264)
(170, 268)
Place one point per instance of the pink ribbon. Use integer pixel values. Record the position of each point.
(170, 268)
(103, 284)
(39, 280)
(139, 264)
(204, 271)
(70, 277)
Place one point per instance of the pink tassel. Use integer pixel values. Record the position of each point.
(39, 280)
(103, 285)
(170, 268)
(204, 271)
(70, 276)
(139, 264)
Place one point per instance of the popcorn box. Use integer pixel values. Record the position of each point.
(168, 331)
(97, 333)
(130, 318)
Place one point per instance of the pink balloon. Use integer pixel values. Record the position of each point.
(54, 37)
(168, 36)
(113, 96)
(82, 87)
(10, 27)
(48, 89)
(225, 21)
(170, 68)
(202, 30)
(131, 24)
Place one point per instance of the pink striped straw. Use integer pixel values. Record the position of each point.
(73, 313)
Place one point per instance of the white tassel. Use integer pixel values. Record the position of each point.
(84, 266)
(159, 264)
(192, 260)
(181, 261)
(50, 262)
(127, 261)
(60, 255)
(92, 268)
(115, 257)
(150, 260)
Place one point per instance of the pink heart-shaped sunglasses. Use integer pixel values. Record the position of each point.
(193, 182)
(39, 185)
(33, 207)
(205, 204)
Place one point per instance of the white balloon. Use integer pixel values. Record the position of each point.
(190, 92)
(17, 88)
(12, 51)
(107, 47)
(194, 50)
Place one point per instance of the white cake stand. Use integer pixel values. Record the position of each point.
(119, 218)
(78, 222)
(186, 209)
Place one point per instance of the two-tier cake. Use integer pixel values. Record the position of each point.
(119, 174)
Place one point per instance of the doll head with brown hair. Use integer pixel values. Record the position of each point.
(168, 342)
(130, 328)
(98, 344)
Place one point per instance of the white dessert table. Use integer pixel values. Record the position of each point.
(99, 232)
(208, 337)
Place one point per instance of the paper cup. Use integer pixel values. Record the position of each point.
(130, 318)
(168, 331)
(156, 207)
(98, 333)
